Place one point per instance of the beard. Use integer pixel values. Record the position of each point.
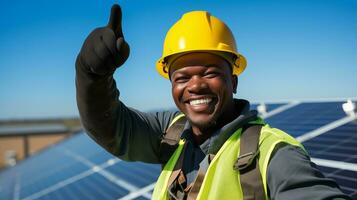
(203, 125)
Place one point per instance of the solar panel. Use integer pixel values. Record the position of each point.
(81, 145)
(8, 180)
(306, 117)
(79, 169)
(93, 187)
(338, 144)
(31, 183)
(138, 174)
(335, 153)
(346, 179)
(100, 157)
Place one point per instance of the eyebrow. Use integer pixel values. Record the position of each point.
(213, 65)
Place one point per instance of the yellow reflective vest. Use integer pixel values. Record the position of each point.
(221, 180)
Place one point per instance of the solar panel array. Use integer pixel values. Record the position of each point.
(79, 169)
(306, 117)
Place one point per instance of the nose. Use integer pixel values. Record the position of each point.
(197, 85)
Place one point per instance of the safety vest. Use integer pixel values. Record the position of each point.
(221, 180)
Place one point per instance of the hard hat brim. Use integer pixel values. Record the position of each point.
(239, 65)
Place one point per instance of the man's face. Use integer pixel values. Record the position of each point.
(202, 88)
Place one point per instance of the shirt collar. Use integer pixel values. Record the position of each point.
(214, 143)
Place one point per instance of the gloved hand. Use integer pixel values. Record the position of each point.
(105, 48)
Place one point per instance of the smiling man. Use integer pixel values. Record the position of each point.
(214, 147)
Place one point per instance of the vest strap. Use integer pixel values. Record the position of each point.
(170, 140)
(196, 185)
(192, 195)
(248, 166)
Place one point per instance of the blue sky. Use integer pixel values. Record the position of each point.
(295, 50)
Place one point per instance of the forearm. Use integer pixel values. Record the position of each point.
(127, 133)
(97, 101)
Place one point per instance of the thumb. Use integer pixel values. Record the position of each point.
(115, 20)
(123, 51)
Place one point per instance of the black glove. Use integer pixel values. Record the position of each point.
(105, 48)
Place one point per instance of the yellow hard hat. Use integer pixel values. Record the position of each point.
(199, 31)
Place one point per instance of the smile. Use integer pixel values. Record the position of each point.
(197, 102)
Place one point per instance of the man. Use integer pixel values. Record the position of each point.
(200, 145)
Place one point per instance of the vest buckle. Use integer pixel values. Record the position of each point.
(245, 160)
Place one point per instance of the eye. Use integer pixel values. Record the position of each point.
(180, 79)
(212, 74)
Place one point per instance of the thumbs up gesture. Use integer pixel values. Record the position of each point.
(105, 48)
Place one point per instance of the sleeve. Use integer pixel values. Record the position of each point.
(125, 132)
(292, 175)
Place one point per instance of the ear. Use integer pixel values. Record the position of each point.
(234, 83)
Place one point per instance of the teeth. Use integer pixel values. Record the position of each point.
(200, 101)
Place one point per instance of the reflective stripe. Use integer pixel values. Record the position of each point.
(162, 183)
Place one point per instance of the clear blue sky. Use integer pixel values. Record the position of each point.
(295, 50)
